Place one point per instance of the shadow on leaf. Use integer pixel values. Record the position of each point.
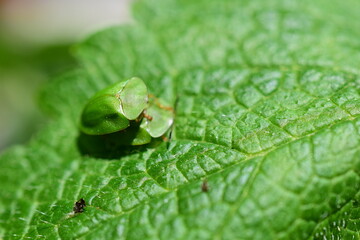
(115, 145)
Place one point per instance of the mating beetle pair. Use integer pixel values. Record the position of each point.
(121, 106)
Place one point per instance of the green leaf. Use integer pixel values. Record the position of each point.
(267, 113)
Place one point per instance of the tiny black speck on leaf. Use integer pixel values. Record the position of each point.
(205, 186)
(79, 206)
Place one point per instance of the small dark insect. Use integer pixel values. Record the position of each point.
(79, 206)
(205, 186)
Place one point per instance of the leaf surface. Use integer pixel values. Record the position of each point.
(267, 105)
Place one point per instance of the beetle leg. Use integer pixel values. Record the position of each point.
(148, 117)
(156, 101)
(139, 118)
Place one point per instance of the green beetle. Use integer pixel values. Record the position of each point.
(111, 109)
(124, 108)
(158, 118)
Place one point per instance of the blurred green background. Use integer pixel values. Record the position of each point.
(35, 45)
